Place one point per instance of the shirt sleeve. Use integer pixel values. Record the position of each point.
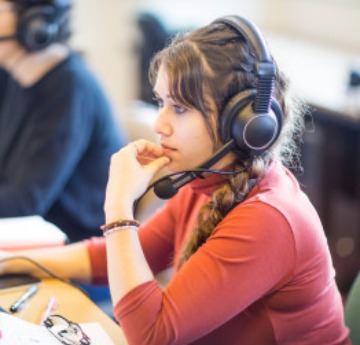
(96, 248)
(236, 266)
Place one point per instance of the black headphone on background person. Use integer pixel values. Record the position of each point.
(253, 118)
(40, 23)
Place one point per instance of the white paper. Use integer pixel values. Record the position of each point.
(27, 232)
(96, 333)
(15, 331)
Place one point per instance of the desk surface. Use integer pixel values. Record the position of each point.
(72, 304)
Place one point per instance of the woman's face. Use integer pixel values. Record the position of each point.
(8, 20)
(183, 132)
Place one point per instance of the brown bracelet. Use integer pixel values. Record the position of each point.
(119, 228)
(120, 223)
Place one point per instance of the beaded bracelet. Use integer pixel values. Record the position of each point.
(118, 228)
(122, 222)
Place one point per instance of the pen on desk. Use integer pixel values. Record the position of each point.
(50, 307)
(28, 293)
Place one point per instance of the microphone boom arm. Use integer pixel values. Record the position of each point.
(166, 188)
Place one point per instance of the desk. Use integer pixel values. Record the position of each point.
(72, 304)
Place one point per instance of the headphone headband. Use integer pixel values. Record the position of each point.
(252, 34)
(265, 68)
(253, 118)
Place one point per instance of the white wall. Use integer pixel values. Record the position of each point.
(187, 13)
(105, 30)
(335, 23)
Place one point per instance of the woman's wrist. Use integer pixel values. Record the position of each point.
(122, 228)
(122, 224)
(116, 213)
(116, 217)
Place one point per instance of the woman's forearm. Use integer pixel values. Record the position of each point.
(127, 266)
(131, 171)
(69, 261)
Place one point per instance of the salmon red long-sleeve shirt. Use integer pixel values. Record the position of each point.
(264, 276)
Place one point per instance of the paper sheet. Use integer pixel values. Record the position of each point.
(29, 232)
(15, 331)
(96, 333)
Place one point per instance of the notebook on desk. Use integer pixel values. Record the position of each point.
(29, 232)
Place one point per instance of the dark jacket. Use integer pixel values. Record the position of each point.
(56, 139)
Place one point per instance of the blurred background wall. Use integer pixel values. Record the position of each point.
(107, 34)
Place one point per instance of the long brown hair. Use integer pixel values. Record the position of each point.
(212, 64)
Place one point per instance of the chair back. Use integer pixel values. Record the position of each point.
(352, 311)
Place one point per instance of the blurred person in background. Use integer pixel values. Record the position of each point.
(57, 130)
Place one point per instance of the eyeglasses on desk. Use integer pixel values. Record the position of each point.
(67, 332)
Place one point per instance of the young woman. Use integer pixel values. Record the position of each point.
(250, 258)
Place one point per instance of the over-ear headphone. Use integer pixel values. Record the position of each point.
(253, 118)
(41, 22)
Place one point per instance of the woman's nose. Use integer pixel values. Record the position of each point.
(162, 124)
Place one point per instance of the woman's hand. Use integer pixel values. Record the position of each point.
(131, 170)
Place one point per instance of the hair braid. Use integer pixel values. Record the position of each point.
(232, 193)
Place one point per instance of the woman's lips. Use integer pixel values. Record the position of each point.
(167, 148)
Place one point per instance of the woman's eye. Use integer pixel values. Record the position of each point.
(179, 109)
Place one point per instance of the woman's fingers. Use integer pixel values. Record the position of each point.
(157, 164)
(150, 156)
(146, 148)
(147, 152)
(133, 167)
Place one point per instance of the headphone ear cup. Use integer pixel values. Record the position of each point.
(37, 28)
(253, 133)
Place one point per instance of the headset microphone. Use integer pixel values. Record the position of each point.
(167, 188)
